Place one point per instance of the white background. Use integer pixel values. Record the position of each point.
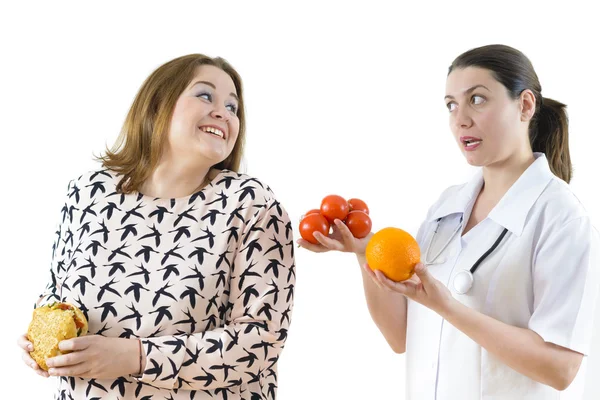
(341, 98)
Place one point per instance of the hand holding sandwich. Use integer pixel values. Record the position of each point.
(56, 344)
(91, 356)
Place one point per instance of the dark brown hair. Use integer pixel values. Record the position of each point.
(549, 127)
(141, 141)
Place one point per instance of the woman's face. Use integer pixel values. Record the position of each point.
(486, 123)
(204, 126)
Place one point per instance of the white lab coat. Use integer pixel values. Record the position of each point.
(543, 276)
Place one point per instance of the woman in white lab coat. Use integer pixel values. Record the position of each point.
(502, 305)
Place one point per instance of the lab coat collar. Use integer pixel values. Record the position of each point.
(512, 210)
(458, 201)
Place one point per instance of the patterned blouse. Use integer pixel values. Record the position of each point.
(205, 281)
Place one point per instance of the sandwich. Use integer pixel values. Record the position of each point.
(50, 325)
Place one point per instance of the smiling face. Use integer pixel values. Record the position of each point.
(488, 125)
(205, 126)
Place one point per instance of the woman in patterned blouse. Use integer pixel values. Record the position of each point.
(183, 266)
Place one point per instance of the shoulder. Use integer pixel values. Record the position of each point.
(243, 186)
(253, 193)
(84, 187)
(98, 176)
(559, 205)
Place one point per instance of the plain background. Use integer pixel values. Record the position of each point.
(342, 98)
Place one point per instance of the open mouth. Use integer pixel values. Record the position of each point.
(213, 131)
(469, 142)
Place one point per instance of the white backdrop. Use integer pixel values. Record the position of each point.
(341, 98)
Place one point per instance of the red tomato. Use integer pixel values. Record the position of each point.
(358, 204)
(312, 223)
(359, 223)
(313, 211)
(333, 207)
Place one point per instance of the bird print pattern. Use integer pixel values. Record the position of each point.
(205, 281)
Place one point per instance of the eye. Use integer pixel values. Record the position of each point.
(232, 108)
(205, 96)
(477, 100)
(451, 106)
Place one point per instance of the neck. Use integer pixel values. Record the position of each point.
(500, 176)
(173, 179)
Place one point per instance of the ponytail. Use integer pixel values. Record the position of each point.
(549, 134)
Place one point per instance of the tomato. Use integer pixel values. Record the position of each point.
(313, 211)
(312, 223)
(333, 207)
(359, 223)
(358, 204)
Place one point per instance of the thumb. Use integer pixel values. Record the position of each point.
(423, 274)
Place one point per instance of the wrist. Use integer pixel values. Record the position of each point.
(450, 309)
(135, 358)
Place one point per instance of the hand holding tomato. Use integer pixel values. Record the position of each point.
(340, 239)
(351, 214)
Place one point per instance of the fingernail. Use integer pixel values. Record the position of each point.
(51, 371)
(32, 365)
(30, 347)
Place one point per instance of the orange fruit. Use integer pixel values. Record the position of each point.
(394, 252)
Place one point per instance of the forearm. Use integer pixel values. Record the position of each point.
(521, 349)
(387, 309)
(213, 359)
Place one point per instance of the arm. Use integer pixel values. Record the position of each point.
(565, 287)
(61, 248)
(521, 349)
(387, 309)
(255, 331)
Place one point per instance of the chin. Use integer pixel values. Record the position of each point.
(474, 160)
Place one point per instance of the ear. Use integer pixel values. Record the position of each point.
(527, 104)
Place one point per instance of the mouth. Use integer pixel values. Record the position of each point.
(213, 130)
(470, 142)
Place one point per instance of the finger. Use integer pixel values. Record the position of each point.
(407, 288)
(41, 372)
(423, 274)
(369, 272)
(414, 279)
(65, 360)
(331, 244)
(29, 361)
(347, 236)
(316, 248)
(379, 278)
(72, 370)
(76, 344)
(24, 343)
(33, 365)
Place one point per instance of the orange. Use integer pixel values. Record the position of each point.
(394, 252)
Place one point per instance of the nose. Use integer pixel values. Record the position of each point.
(462, 119)
(219, 112)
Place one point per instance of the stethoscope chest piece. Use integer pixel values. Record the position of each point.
(463, 281)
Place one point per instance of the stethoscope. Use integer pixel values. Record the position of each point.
(463, 281)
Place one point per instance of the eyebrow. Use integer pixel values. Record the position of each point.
(468, 91)
(214, 87)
